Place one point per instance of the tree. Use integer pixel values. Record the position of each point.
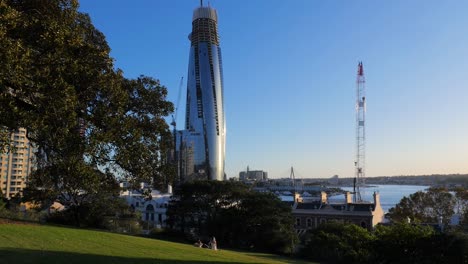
(401, 243)
(198, 205)
(338, 243)
(88, 123)
(461, 204)
(237, 216)
(260, 221)
(425, 207)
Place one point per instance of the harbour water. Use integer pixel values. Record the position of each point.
(390, 195)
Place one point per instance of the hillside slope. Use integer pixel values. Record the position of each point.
(46, 244)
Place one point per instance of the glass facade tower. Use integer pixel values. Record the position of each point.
(202, 149)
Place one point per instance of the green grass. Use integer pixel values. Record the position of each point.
(47, 244)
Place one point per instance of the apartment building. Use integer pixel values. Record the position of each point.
(16, 165)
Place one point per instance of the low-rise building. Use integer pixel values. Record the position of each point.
(152, 206)
(310, 212)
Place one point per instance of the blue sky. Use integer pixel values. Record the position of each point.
(290, 71)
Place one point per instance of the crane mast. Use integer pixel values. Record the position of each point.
(176, 158)
(360, 166)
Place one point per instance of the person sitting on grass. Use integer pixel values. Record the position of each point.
(198, 243)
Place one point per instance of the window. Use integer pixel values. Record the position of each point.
(309, 222)
(298, 221)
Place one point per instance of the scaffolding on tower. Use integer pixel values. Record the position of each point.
(360, 163)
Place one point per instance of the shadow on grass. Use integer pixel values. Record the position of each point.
(23, 256)
(285, 259)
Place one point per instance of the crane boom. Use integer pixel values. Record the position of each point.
(174, 116)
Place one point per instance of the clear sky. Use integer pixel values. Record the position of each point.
(290, 71)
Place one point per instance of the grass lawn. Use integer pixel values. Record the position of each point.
(21, 243)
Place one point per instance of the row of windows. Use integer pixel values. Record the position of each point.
(309, 221)
(324, 220)
(12, 189)
(17, 154)
(13, 171)
(15, 165)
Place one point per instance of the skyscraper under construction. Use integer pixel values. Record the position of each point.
(202, 145)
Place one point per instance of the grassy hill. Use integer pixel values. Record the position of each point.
(21, 243)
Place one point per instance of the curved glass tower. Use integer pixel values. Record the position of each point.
(204, 138)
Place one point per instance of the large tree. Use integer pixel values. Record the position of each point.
(430, 206)
(338, 243)
(88, 123)
(237, 216)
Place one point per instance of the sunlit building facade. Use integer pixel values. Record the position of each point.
(202, 149)
(16, 165)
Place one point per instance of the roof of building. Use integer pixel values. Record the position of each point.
(333, 209)
(289, 203)
(310, 206)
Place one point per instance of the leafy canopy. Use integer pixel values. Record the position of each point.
(235, 215)
(88, 123)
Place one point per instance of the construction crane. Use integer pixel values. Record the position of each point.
(360, 166)
(174, 116)
(174, 125)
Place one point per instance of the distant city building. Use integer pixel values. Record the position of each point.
(201, 145)
(16, 165)
(253, 175)
(309, 212)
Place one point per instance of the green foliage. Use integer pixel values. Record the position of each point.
(447, 248)
(232, 213)
(461, 205)
(2, 205)
(338, 243)
(103, 211)
(401, 243)
(87, 122)
(424, 207)
(398, 243)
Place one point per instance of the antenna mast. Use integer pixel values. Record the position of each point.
(360, 165)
